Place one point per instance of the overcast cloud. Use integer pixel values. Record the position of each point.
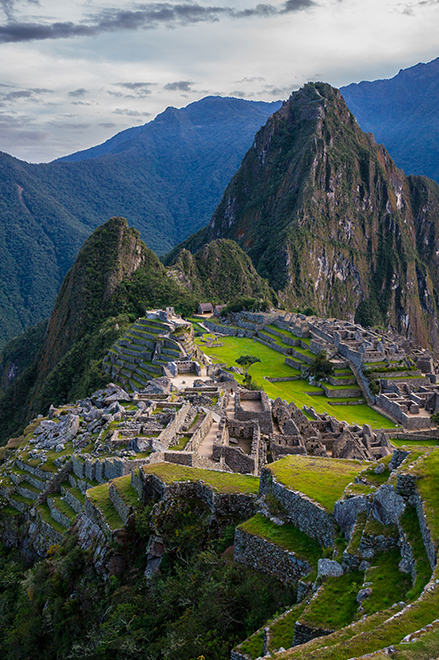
(73, 74)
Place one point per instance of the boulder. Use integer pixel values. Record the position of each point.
(346, 512)
(329, 568)
(387, 506)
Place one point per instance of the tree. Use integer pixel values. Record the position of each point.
(320, 368)
(246, 362)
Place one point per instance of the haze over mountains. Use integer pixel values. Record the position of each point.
(166, 177)
(403, 114)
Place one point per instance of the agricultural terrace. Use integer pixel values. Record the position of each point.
(221, 482)
(272, 365)
(322, 479)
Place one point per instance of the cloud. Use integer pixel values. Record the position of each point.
(78, 92)
(107, 124)
(179, 86)
(143, 17)
(250, 80)
(130, 113)
(23, 94)
(8, 6)
(138, 89)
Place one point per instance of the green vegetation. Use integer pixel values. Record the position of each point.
(321, 479)
(282, 629)
(100, 498)
(126, 491)
(320, 368)
(389, 585)
(223, 482)
(272, 365)
(286, 536)
(340, 590)
(62, 607)
(427, 469)
(410, 524)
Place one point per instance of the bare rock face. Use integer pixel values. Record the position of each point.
(346, 512)
(387, 506)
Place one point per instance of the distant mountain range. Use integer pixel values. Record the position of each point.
(166, 177)
(403, 114)
(326, 216)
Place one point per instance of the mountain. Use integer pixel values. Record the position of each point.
(114, 279)
(403, 113)
(328, 218)
(166, 177)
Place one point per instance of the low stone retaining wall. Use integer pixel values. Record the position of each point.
(303, 633)
(342, 392)
(57, 515)
(295, 363)
(219, 503)
(121, 507)
(37, 472)
(25, 492)
(72, 501)
(269, 558)
(274, 346)
(309, 516)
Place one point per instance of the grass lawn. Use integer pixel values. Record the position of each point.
(321, 479)
(412, 443)
(223, 482)
(100, 498)
(285, 536)
(272, 365)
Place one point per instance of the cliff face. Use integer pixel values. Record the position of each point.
(112, 253)
(325, 214)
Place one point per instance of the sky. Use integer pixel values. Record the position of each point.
(74, 73)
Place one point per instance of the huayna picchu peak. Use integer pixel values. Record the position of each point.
(329, 219)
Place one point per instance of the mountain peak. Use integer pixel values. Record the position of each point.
(329, 219)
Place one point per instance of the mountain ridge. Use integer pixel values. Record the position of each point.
(325, 214)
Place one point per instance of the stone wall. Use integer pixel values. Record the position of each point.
(219, 503)
(303, 633)
(269, 558)
(57, 515)
(309, 516)
(411, 422)
(263, 417)
(121, 507)
(342, 392)
(169, 433)
(200, 433)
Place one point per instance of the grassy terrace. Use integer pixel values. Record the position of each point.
(342, 591)
(272, 365)
(222, 482)
(126, 491)
(427, 469)
(373, 633)
(389, 585)
(285, 536)
(100, 498)
(321, 479)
